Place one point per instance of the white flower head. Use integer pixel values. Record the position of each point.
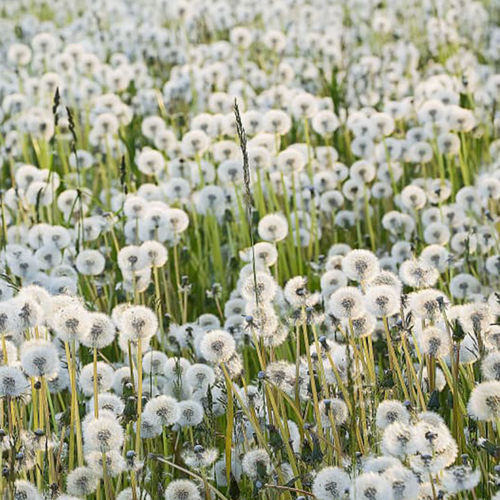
(39, 358)
(370, 486)
(256, 464)
(103, 433)
(182, 489)
(331, 483)
(164, 410)
(346, 302)
(391, 411)
(484, 401)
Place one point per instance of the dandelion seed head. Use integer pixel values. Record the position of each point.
(391, 411)
(332, 280)
(164, 410)
(150, 162)
(82, 481)
(103, 433)
(382, 300)
(380, 464)
(387, 278)
(138, 322)
(405, 484)
(208, 322)
(72, 322)
(273, 227)
(153, 362)
(256, 463)
(115, 463)
(12, 382)
(476, 317)
(297, 294)
(433, 341)
(101, 332)
(434, 464)
(460, 478)
(492, 337)
(128, 494)
(200, 376)
(200, 457)
(176, 368)
(431, 435)
(105, 377)
(121, 377)
(90, 262)
(191, 413)
(24, 490)
(370, 486)
(150, 427)
(331, 483)
(182, 489)
(259, 288)
(346, 302)
(464, 286)
(284, 376)
(334, 409)
(362, 326)
(418, 275)
(425, 304)
(436, 256)
(26, 313)
(109, 402)
(39, 358)
(399, 440)
(234, 307)
(132, 258)
(484, 401)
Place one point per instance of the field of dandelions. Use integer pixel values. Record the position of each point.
(249, 250)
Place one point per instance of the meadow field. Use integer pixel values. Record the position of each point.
(249, 250)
